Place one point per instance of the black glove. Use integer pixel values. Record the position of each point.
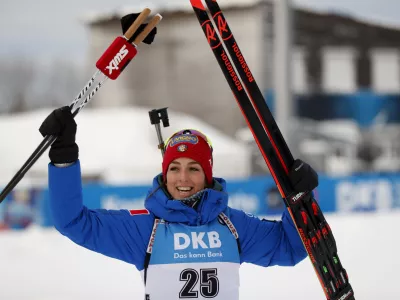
(127, 21)
(303, 177)
(60, 123)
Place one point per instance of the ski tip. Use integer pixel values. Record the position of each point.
(197, 4)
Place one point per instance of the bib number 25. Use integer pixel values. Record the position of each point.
(208, 287)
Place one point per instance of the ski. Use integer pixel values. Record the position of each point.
(312, 227)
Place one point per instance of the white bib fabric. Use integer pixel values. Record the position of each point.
(193, 262)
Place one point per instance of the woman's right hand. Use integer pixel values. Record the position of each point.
(61, 123)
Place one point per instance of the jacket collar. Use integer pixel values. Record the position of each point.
(213, 202)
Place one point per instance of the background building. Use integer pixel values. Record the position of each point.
(345, 80)
(333, 54)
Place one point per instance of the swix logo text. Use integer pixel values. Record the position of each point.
(114, 63)
(197, 240)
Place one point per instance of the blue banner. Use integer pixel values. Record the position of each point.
(366, 192)
(22, 207)
(257, 195)
(362, 107)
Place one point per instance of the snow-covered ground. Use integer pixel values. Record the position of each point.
(41, 264)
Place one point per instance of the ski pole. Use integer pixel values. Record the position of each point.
(112, 62)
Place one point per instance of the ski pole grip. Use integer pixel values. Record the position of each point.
(135, 25)
(153, 23)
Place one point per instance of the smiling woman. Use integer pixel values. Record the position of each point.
(185, 177)
(187, 165)
(187, 243)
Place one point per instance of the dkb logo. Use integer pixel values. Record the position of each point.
(182, 240)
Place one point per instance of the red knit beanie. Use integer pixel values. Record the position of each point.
(191, 144)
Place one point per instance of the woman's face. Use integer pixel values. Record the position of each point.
(185, 177)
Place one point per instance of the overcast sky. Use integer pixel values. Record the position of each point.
(54, 28)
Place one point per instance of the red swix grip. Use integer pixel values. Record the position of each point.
(116, 58)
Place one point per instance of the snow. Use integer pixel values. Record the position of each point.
(119, 144)
(41, 264)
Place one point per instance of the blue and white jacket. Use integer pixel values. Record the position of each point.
(194, 253)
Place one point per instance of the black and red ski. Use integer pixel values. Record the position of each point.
(313, 229)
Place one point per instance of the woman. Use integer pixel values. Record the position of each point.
(187, 240)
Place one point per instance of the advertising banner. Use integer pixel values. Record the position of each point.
(257, 195)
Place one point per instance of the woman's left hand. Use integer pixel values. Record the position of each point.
(303, 177)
